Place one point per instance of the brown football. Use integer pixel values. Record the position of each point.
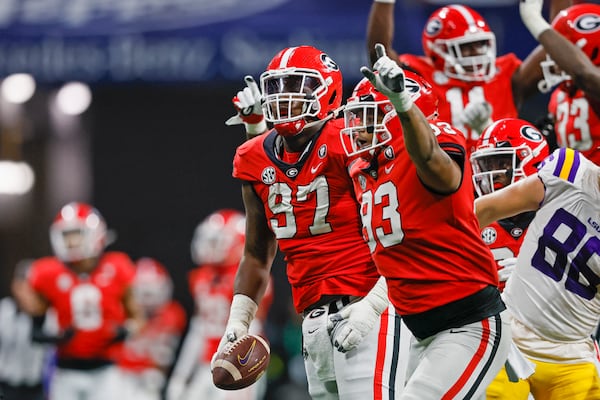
(239, 364)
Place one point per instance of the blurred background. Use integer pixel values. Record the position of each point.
(122, 104)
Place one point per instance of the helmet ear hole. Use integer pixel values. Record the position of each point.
(332, 97)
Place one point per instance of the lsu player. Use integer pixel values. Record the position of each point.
(414, 186)
(90, 290)
(507, 151)
(573, 45)
(216, 249)
(298, 197)
(552, 294)
(147, 357)
(474, 85)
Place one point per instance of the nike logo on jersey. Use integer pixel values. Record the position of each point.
(244, 360)
(388, 168)
(313, 170)
(313, 330)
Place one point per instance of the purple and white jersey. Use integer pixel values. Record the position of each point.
(554, 289)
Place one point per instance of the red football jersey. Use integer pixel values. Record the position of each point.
(428, 246)
(577, 122)
(312, 211)
(504, 239)
(212, 289)
(156, 343)
(89, 303)
(455, 94)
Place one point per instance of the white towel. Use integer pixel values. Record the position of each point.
(517, 366)
(317, 343)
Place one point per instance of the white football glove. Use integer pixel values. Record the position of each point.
(508, 266)
(531, 15)
(353, 323)
(389, 79)
(477, 115)
(241, 313)
(248, 104)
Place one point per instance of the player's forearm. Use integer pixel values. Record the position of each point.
(522, 196)
(260, 249)
(253, 277)
(435, 168)
(573, 61)
(557, 5)
(380, 29)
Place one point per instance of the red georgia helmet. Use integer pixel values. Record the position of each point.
(297, 76)
(580, 24)
(368, 110)
(152, 285)
(508, 146)
(448, 34)
(78, 232)
(219, 238)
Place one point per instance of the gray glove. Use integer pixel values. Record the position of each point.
(388, 78)
(248, 104)
(477, 115)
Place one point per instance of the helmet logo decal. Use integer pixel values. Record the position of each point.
(530, 133)
(412, 86)
(489, 235)
(322, 151)
(268, 175)
(329, 63)
(587, 23)
(433, 27)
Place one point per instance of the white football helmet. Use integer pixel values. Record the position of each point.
(219, 238)
(78, 232)
(152, 285)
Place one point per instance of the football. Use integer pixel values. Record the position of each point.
(239, 364)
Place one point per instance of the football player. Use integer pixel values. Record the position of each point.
(507, 151)
(91, 293)
(474, 85)
(147, 357)
(216, 249)
(298, 196)
(552, 294)
(573, 45)
(413, 182)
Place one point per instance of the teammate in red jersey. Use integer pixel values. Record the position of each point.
(216, 248)
(416, 200)
(507, 151)
(90, 290)
(573, 44)
(299, 197)
(475, 87)
(146, 358)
